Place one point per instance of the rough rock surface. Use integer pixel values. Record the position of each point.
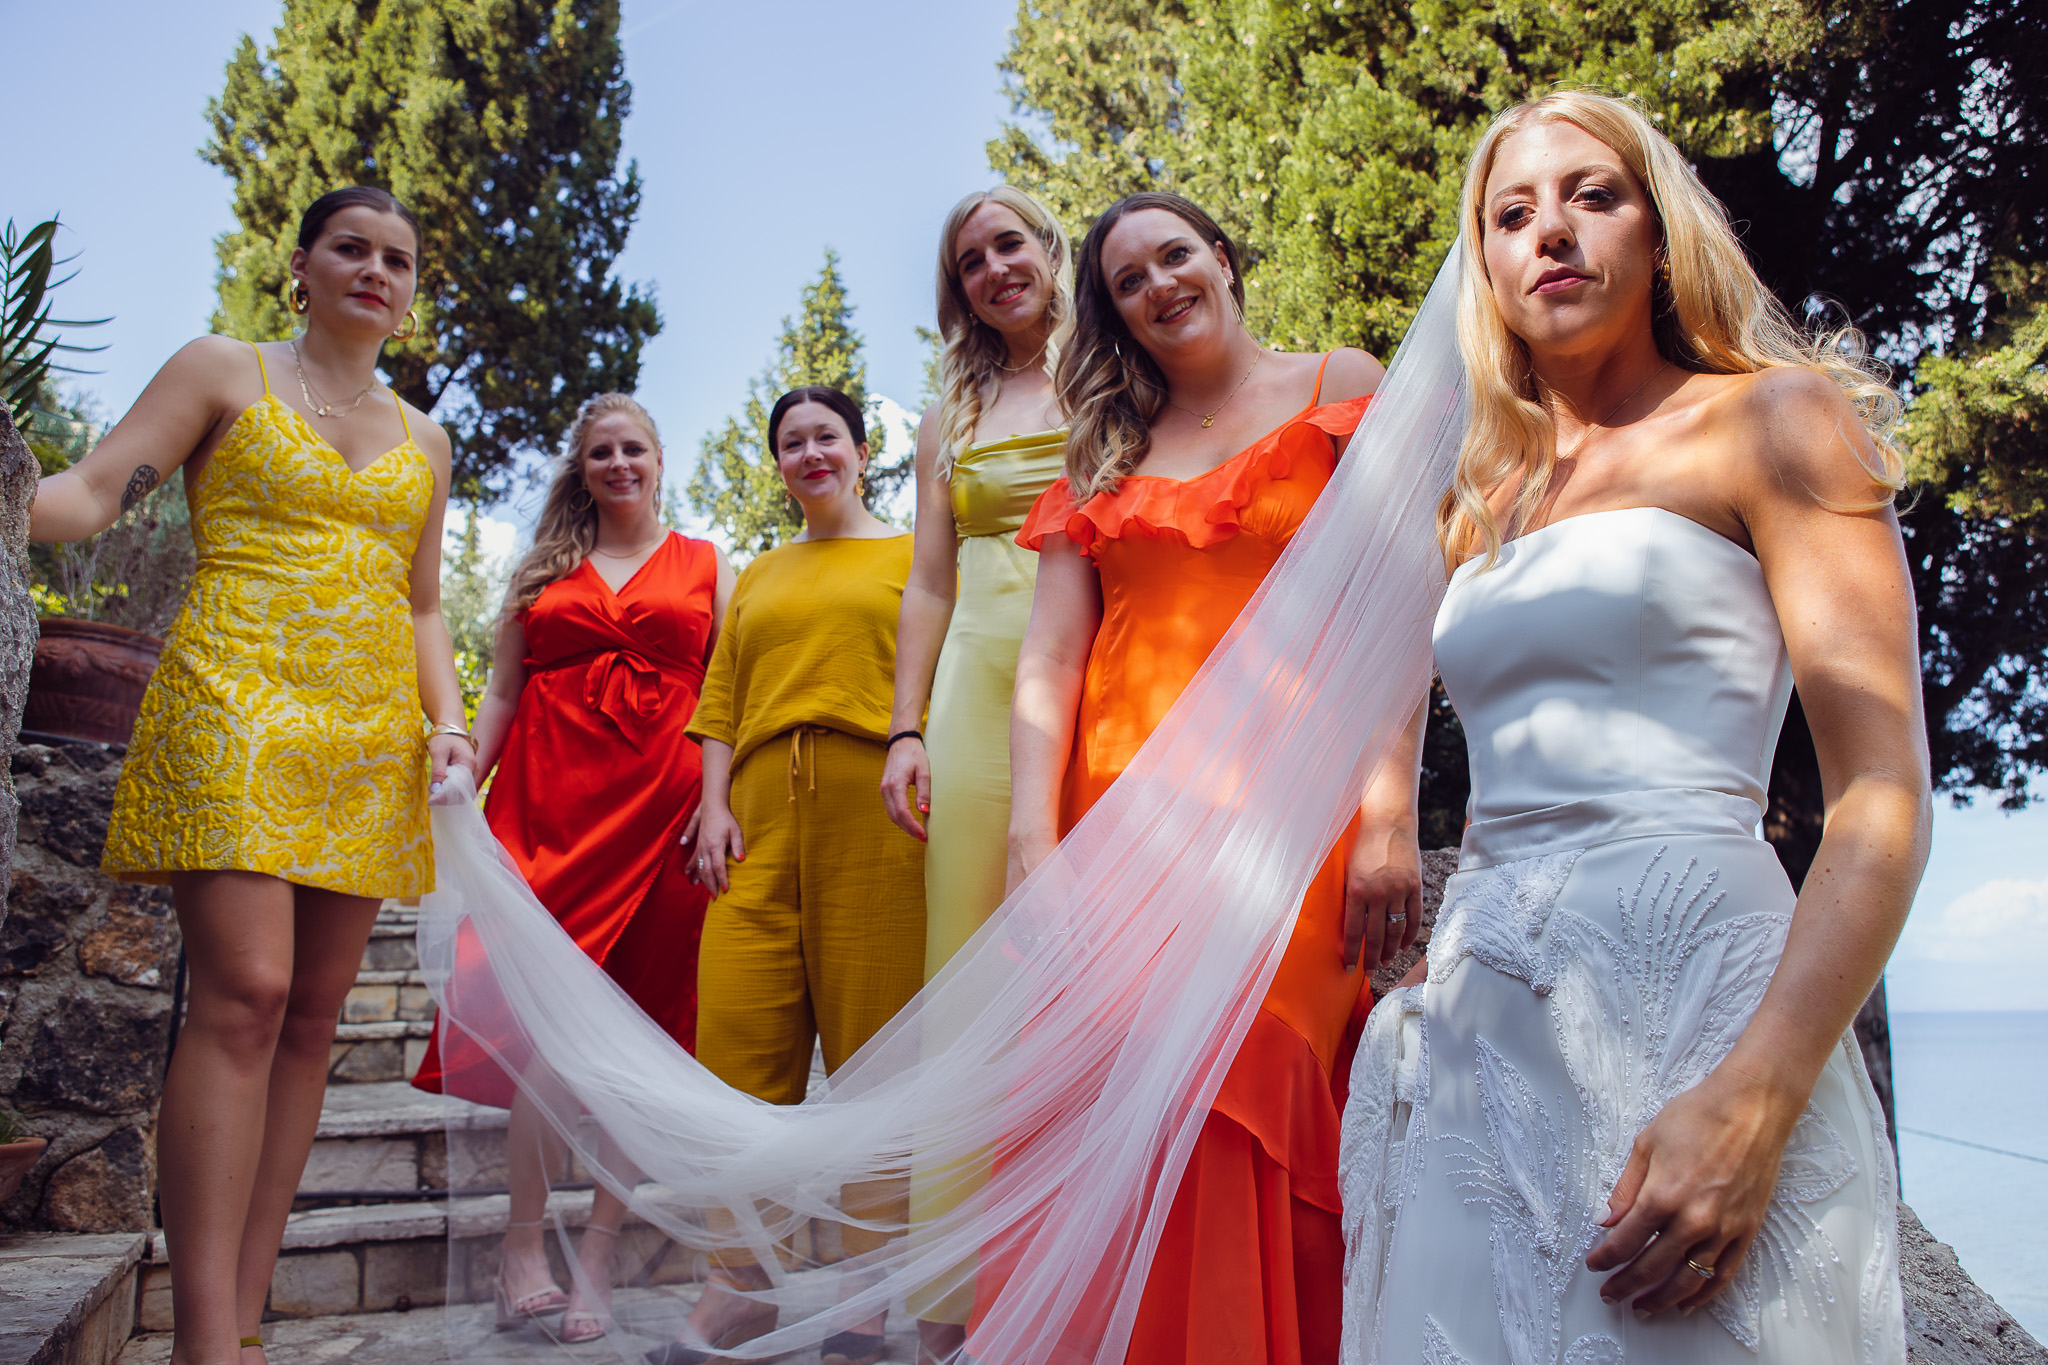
(18, 474)
(1949, 1320)
(87, 970)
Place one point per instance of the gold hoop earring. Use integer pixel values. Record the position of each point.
(301, 302)
(587, 503)
(412, 326)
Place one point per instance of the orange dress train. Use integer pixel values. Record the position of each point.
(596, 782)
(1250, 1269)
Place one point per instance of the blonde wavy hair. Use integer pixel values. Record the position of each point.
(1110, 391)
(565, 534)
(1712, 315)
(971, 355)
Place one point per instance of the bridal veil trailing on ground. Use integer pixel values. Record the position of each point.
(1064, 1062)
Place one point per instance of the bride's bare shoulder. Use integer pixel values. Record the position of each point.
(1792, 432)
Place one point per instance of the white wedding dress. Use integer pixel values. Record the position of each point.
(1611, 929)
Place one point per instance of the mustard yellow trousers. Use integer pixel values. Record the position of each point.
(819, 940)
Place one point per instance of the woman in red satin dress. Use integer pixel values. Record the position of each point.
(610, 620)
(1199, 454)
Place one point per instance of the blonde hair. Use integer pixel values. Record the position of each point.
(565, 534)
(1712, 315)
(970, 355)
(1111, 393)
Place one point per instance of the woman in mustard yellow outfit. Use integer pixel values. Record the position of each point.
(816, 931)
(279, 775)
(992, 443)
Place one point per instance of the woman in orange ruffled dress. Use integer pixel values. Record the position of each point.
(1194, 454)
(609, 622)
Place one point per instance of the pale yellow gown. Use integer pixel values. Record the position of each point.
(282, 731)
(968, 731)
(967, 735)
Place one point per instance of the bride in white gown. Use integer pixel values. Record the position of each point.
(1626, 1091)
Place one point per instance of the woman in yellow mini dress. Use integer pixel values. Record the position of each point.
(279, 774)
(815, 934)
(992, 443)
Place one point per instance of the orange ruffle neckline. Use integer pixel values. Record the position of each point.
(1204, 510)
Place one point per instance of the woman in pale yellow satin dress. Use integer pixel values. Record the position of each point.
(279, 774)
(985, 451)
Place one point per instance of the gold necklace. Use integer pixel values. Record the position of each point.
(321, 407)
(1587, 434)
(636, 550)
(1209, 417)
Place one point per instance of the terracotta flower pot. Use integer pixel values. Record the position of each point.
(15, 1159)
(87, 681)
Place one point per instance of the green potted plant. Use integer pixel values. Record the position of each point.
(104, 601)
(18, 1152)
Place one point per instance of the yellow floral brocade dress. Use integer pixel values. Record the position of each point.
(282, 732)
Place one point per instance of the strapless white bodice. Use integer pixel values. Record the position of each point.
(1630, 653)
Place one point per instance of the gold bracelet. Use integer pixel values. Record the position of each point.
(449, 727)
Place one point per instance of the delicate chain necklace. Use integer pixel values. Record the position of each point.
(1592, 427)
(636, 550)
(1209, 417)
(320, 406)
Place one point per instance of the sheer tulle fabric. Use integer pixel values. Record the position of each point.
(1068, 1055)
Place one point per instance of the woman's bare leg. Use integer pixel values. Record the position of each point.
(328, 937)
(598, 1247)
(238, 931)
(533, 1160)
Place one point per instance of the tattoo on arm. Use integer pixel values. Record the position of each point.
(140, 484)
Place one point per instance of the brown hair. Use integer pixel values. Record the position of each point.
(856, 424)
(1110, 391)
(314, 221)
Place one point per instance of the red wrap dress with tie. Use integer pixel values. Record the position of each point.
(596, 781)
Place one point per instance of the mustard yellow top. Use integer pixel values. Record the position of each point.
(810, 639)
(282, 730)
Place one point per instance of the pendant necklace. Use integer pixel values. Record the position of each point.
(320, 406)
(1209, 417)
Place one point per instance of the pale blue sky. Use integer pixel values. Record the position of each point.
(764, 133)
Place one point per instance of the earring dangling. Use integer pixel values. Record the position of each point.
(860, 486)
(301, 302)
(411, 328)
(588, 502)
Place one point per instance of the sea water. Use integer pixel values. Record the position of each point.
(1980, 1078)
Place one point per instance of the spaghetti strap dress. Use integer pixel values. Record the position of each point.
(596, 781)
(282, 731)
(1250, 1268)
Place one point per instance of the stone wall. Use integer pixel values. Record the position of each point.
(87, 974)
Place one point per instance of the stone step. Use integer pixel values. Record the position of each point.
(388, 1014)
(385, 1140)
(375, 1258)
(67, 1298)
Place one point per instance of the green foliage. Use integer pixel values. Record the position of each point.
(498, 122)
(472, 588)
(134, 573)
(29, 337)
(735, 485)
(1328, 137)
(12, 1129)
(1880, 157)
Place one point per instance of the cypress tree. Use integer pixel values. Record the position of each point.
(498, 122)
(735, 485)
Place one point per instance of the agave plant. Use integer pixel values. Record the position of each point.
(30, 338)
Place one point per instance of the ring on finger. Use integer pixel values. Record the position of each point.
(1401, 918)
(1705, 1272)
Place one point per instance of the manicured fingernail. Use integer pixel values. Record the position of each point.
(1642, 1315)
(1688, 1310)
(1608, 1298)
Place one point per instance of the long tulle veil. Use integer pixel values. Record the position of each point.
(1057, 1073)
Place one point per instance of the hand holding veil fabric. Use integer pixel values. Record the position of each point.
(1065, 1060)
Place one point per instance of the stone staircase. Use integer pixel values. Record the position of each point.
(393, 1168)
